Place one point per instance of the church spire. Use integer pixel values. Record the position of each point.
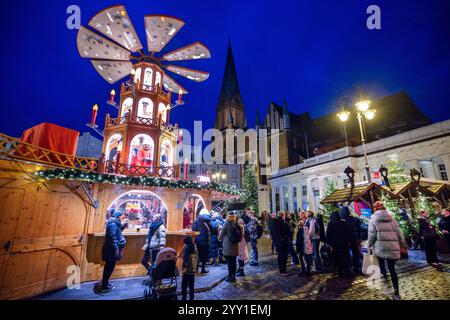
(230, 95)
(286, 116)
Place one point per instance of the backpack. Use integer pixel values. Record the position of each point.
(247, 235)
(259, 230)
(235, 233)
(192, 262)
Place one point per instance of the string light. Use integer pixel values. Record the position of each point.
(76, 174)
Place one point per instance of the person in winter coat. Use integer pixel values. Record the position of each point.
(291, 249)
(444, 225)
(215, 246)
(203, 241)
(386, 240)
(112, 246)
(230, 249)
(338, 238)
(272, 229)
(304, 248)
(300, 245)
(252, 228)
(281, 238)
(354, 225)
(189, 267)
(321, 227)
(427, 233)
(314, 234)
(156, 239)
(243, 250)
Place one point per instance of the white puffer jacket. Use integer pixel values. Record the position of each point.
(158, 239)
(385, 236)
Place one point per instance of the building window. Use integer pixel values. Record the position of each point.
(294, 200)
(304, 191)
(192, 169)
(346, 182)
(442, 171)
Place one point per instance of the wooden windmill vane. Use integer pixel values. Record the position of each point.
(115, 51)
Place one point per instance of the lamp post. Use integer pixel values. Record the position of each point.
(362, 110)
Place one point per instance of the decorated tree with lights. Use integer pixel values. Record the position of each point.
(397, 170)
(423, 202)
(328, 208)
(250, 188)
(393, 206)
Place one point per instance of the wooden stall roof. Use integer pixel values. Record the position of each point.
(436, 188)
(343, 195)
(399, 188)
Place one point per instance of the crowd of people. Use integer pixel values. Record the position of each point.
(225, 238)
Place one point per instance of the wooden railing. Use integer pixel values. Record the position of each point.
(130, 119)
(146, 88)
(14, 148)
(131, 170)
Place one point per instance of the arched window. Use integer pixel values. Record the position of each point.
(158, 79)
(148, 77)
(127, 105)
(145, 108)
(162, 111)
(142, 151)
(113, 145)
(166, 154)
(139, 206)
(137, 77)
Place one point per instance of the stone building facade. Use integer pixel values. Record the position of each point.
(302, 186)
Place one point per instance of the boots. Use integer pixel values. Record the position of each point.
(204, 268)
(240, 272)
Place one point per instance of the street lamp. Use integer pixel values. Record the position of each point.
(362, 109)
(219, 176)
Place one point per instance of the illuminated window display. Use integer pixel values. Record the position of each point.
(162, 111)
(158, 79)
(166, 153)
(142, 150)
(126, 106)
(113, 146)
(192, 207)
(148, 77)
(145, 108)
(137, 77)
(139, 207)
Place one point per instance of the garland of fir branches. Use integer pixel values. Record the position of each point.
(76, 174)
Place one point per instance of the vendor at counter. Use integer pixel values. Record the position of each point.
(112, 246)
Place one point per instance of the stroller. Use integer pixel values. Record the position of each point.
(163, 277)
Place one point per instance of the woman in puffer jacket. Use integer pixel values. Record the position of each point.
(243, 250)
(386, 240)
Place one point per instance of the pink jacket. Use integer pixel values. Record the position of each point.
(243, 250)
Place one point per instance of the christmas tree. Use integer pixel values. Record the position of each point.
(397, 170)
(394, 208)
(250, 186)
(424, 203)
(329, 207)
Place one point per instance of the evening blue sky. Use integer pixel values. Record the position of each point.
(313, 52)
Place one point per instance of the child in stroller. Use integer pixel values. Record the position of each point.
(165, 269)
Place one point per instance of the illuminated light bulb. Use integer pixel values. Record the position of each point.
(363, 105)
(343, 115)
(370, 114)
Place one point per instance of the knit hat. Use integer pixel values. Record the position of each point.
(117, 213)
(204, 211)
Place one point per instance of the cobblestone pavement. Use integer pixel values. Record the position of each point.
(417, 280)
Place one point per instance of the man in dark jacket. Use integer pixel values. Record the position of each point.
(203, 241)
(338, 238)
(112, 246)
(444, 225)
(354, 225)
(273, 230)
(281, 241)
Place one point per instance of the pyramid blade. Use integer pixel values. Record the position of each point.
(93, 46)
(172, 85)
(112, 71)
(160, 29)
(191, 74)
(114, 23)
(196, 50)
